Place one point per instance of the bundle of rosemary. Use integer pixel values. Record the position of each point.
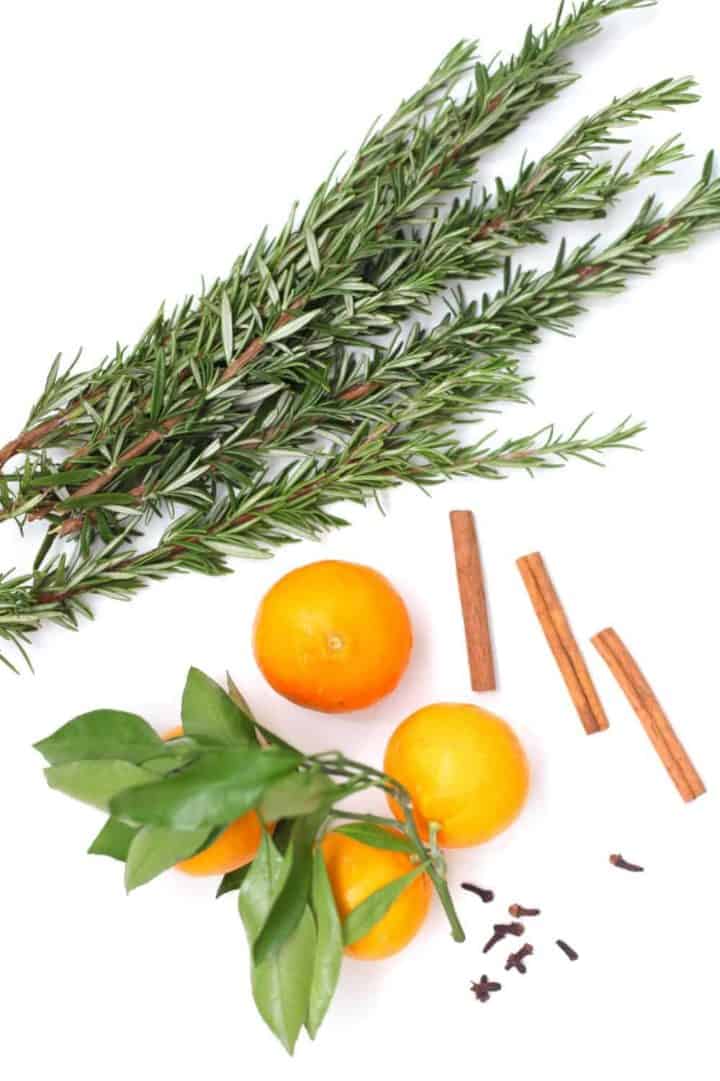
(298, 355)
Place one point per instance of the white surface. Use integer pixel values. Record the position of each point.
(144, 144)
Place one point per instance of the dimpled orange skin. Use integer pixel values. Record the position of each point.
(357, 870)
(333, 636)
(464, 768)
(236, 845)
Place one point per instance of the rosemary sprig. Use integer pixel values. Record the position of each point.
(471, 240)
(279, 511)
(411, 444)
(401, 168)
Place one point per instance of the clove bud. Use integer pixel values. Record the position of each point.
(485, 895)
(617, 861)
(567, 950)
(501, 931)
(518, 911)
(484, 988)
(517, 960)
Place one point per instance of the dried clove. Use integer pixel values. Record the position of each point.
(496, 937)
(617, 861)
(486, 896)
(517, 911)
(501, 931)
(517, 960)
(567, 950)
(484, 988)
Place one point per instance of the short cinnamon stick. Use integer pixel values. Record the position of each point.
(471, 585)
(562, 642)
(654, 720)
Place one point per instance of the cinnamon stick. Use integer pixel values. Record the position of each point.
(654, 720)
(471, 585)
(562, 642)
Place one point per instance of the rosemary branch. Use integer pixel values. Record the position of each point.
(293, 505)
(430, 145)
(412, 444)
(471, 241)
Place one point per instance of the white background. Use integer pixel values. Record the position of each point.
(144, 144)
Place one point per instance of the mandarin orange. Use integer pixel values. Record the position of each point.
(356, 870)
(333, 636)
(464, 768)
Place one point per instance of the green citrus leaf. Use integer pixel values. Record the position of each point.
(297, 794)
(154, 849)
(241, 701)
(291, 901)
(97, 782)
(113, 840)
(369, 833)
(281, 984)
(370, 911)
(215, 788)
(281, 834)
(103, 733)
(209, 713)
(329, 946)
(238, 698)
(176, 754)
(233, 880)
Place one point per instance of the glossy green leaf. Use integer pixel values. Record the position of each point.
(297, 794)
(328, 948)
(209, 713)
(281, 984)
(113, 840)
(213, 790)
(176, 754)
(291, 901)
(370, 911)
(238, 697)
(270, 737)
(97, 782)
(154, 849)
(369, 833)
(233, 880)
(102, 733)
(282, 833)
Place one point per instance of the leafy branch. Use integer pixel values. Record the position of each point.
(295, 504)
(168, 801)
(471, 241)
(429, 146)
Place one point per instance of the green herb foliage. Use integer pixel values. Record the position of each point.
(289, 359)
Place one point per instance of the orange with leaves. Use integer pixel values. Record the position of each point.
(233, 848)
(357, 870)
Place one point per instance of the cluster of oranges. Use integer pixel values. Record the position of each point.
(337, 637)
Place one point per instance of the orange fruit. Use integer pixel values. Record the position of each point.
(234, 847)
(464, 768)
(333, 636)
(356, 870)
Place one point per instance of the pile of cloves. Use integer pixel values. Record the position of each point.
(516, 960)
